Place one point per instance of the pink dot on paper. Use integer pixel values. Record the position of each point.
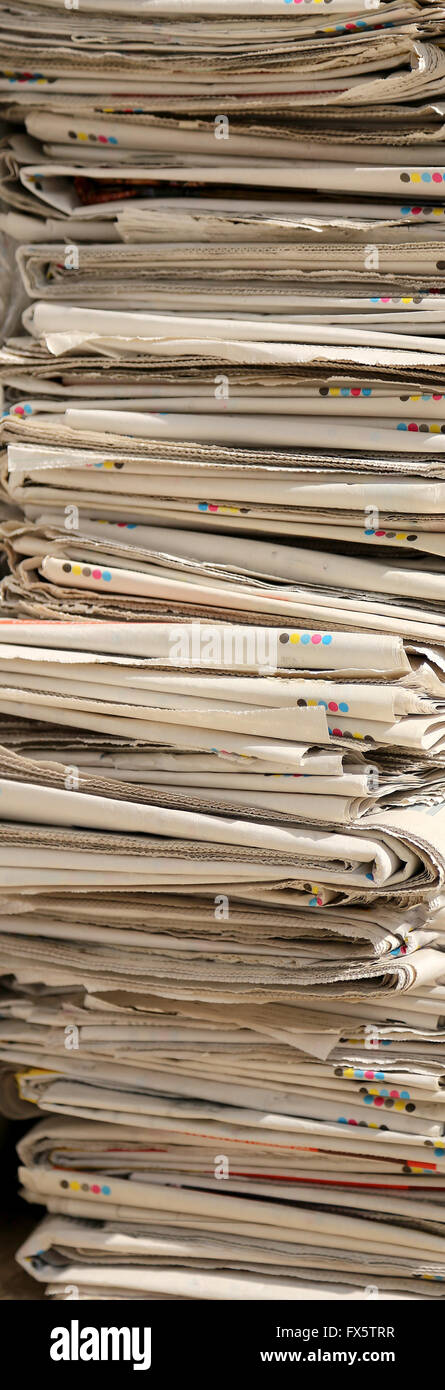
(316, 637)
(95, 1188)
(96, 574)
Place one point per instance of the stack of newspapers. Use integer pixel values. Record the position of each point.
(222, 645)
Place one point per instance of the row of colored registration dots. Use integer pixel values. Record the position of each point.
(422, 176)
(325, 638)
(415, 211)
(220, 507)
(323, 704)
(356, 391)
(359, 1074)
(360, 1124)
(99, 1190)
(396, 298)
(392, 535)
(26, 77)
(422, 428)
(345, 390)
(95, 139)
(354, 25)
(87, 572)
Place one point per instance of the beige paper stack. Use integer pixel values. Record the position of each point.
(222, 645)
